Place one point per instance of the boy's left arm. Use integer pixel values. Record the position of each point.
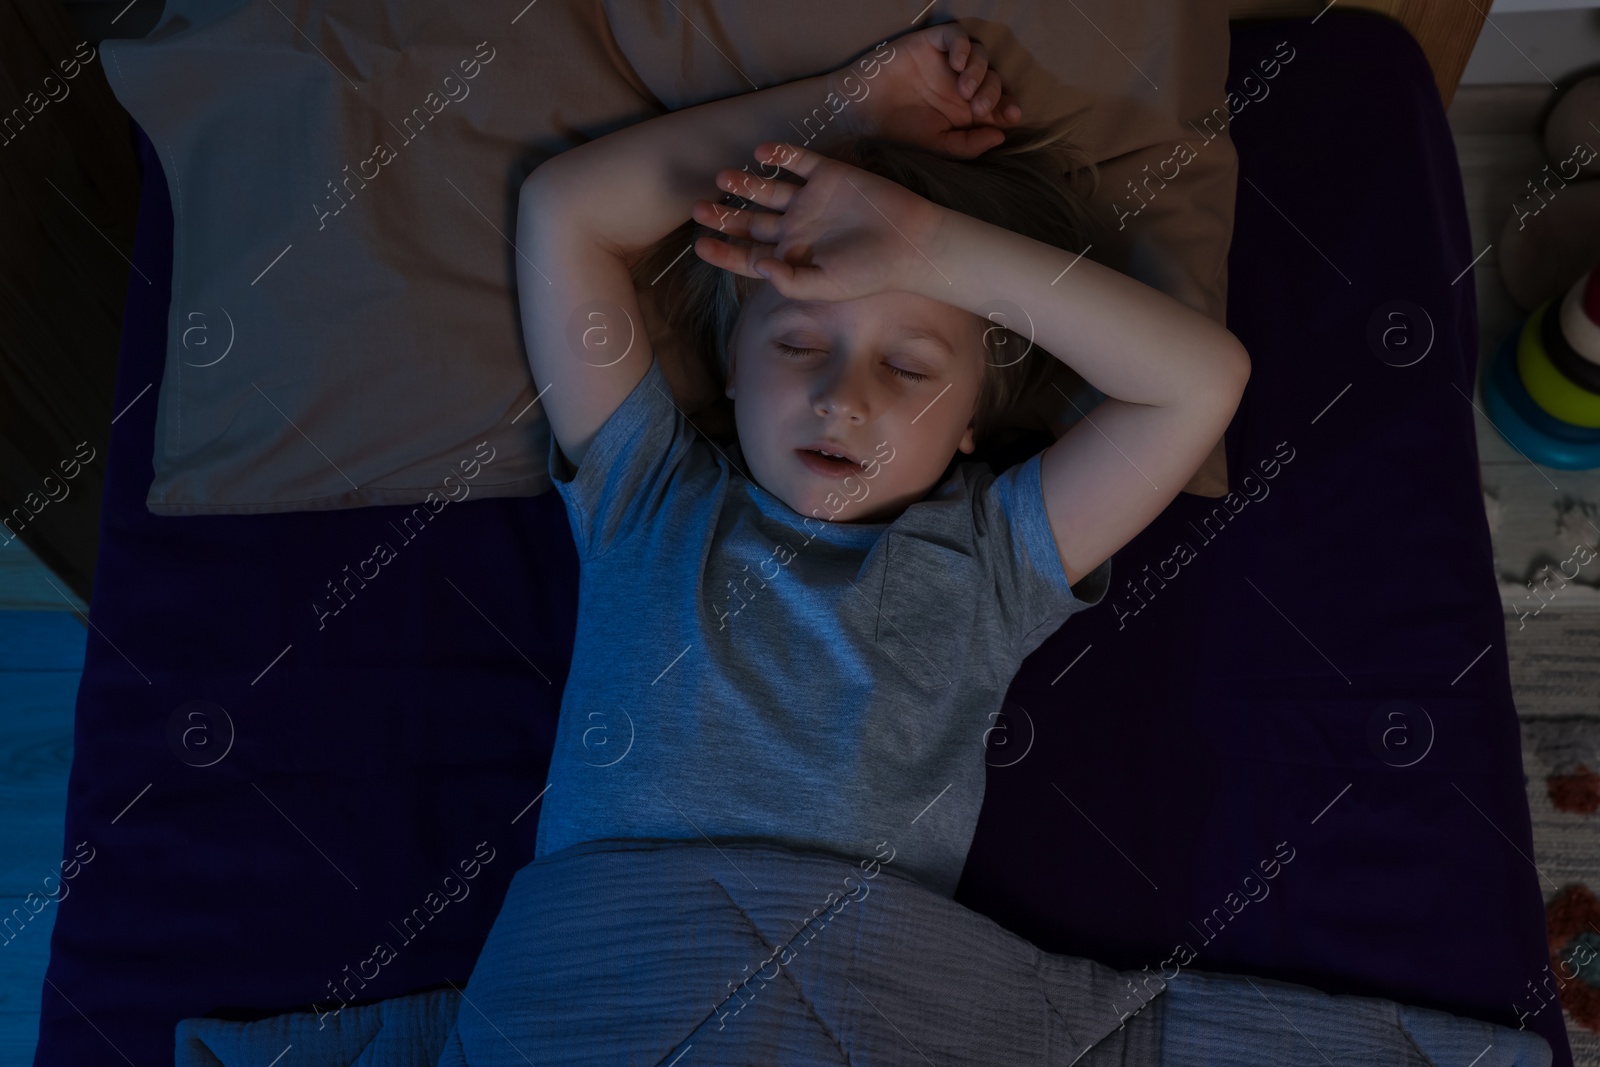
(1172, 376)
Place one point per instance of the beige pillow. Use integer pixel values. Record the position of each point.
(343, 329)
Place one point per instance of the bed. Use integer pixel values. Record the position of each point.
(1319, 679)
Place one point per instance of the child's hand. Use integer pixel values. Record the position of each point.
(845, 234)
(935, 92)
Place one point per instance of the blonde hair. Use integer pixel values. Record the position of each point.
(1029, 184)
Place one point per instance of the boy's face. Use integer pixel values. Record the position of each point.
(846, 395)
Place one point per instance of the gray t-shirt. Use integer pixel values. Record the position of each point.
(744, 672)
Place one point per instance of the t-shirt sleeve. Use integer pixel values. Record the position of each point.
(622, 485)
(1014, 538)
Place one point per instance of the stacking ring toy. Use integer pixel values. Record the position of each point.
(1562, 395)
(1525, 425)
(1567, 316)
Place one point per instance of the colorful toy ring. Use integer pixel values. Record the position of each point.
(1525, 426)
(1559, 396)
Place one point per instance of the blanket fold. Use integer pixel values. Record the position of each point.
(657, 952)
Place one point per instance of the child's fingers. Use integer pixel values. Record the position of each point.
(969, 144)
(973, 72)
(737, 260)
(986, 96)
(950, 38)
(791, 282)
(774, 270)
(737, 222)
(723, 216)
(767, 192)
(801, 162)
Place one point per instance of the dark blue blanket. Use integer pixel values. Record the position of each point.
(1322, 673)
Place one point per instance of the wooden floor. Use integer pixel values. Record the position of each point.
(41, 658)
(26, 586)
(1534, 515)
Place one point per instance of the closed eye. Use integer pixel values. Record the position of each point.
(790, 350)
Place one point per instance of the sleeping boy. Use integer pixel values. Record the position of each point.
(802, 635)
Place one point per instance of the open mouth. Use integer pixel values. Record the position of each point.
(827, 465)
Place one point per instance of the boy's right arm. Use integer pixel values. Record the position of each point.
(586, 342)
(582, 211)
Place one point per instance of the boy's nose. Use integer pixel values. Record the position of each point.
(840, 408)
(844, 392)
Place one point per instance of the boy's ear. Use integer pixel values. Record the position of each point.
(969, 440)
